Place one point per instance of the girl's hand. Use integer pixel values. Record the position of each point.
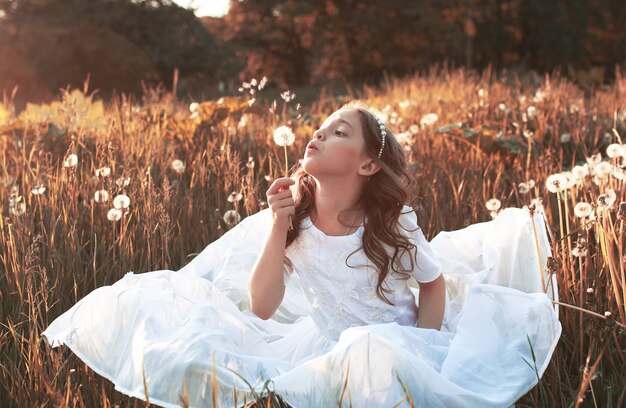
(281, 202)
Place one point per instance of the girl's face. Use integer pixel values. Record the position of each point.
(338, 146)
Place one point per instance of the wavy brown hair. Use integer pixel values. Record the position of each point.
(382, 200)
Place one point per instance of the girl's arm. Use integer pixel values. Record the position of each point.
(266, 286)
(432, 301)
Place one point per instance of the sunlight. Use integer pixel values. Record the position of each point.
(213, 8)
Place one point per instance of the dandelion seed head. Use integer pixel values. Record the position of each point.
(502, 107)
(101, 196)
(429, 119)
(178, 166)
(565, 138)
(590, 291)
(531, 111)
(582, 209)
(283, 136)
(121, 201)
(493, 204)
(523, 188)
(71, 161)
(414, 129)
(114, 214)
(556, 183)
(574, 108)
(103, 172)
(38, 190)
(234, 197)
(603, 169)
(528, 133)
(231, 218)
(193, 107)
(594, 159)
(615, 150)
(607, 314)
(579, 252)
(539, 96)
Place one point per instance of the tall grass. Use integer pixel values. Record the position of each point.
(57, 246)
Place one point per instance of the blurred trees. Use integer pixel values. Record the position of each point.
(299, 42)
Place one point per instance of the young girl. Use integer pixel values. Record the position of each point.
(312, 298)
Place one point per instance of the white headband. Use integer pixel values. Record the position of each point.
(383, 134)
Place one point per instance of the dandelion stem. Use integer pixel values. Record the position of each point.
(586, 311)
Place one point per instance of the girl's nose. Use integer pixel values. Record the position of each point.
(318, 135)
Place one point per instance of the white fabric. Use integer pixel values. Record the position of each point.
(175, 327)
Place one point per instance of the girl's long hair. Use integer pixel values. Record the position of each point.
(383, 197)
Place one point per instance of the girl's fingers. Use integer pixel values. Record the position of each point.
(280, 184)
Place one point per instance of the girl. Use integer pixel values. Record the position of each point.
(321, 310)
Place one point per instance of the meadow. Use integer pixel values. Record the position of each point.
(92, 189)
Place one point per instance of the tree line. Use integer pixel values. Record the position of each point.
(302, 42)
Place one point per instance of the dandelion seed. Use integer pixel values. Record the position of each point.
(539, 96)
(253, 82)
(429, 119)
(565, 138)
(590, 291)
(414, 129)
(579, 252)
(404, 138)
(267, 177)
(121, 201)
(523, 188)
(251, 102)
(607, 314)
(262, 83)
(522, 99)
(502, 107)
(194, 115)
(528, 133)
(39, 190)
(103, 172)
(531, 111)
(114, 214)
(556, 182)
(481, 93)
(234, 197)
(240, 89)
(531, 183)
(193, 107)
(231, 218)
(494, 214)
(245, 85)
(493, 204)
(574, 109)
(178, 166)
(71, 161)
(615, 150)
(582, 209)
(101, 196)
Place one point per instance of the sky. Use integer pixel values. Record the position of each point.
(215, 8)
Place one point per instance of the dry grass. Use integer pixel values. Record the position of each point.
(62, 246)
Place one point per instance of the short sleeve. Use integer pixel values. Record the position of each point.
(426, 266)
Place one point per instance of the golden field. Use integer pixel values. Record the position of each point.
(91, 190)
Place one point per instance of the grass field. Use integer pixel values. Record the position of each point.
(189, 176)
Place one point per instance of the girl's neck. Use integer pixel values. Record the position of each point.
(335, 199)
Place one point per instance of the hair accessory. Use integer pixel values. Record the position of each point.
(383, 134)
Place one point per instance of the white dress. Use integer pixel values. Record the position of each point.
(175, 327)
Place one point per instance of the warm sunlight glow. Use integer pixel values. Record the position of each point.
(213, 8)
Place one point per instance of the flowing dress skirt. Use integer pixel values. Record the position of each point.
(176, 328)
